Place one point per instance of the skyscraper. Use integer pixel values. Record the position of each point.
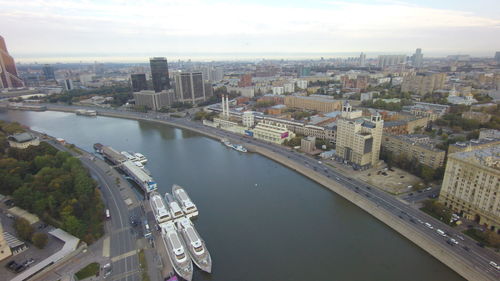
(189, 87)
(139, 82)
(159, 74)
(497, 57)
(418, 58)
(362, 59)
(8, 70)
(48, 72)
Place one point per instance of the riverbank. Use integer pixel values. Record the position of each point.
(404, 228)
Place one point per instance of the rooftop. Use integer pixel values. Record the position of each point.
(22, 137)
(489, 157)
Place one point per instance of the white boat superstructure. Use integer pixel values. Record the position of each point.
(175, 210)
(185, 202)
(179, 257)
(135, 157)
(141, 158)
(159, 208)
(195, 245)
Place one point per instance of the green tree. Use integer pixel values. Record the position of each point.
(40, 240)
(23, 228)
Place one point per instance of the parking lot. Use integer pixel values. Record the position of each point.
(30, 256)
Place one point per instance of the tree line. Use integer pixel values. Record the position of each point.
(53, 185)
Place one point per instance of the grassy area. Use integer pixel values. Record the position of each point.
(488, 238)
(437, 210)
(91, 269)
(144, 265)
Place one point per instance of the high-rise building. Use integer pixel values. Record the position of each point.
(159, 74)
(471, 185)
(67, 84)
(48, 72)
(388, 60)
(190, 87)
(245, 80)
(417, 59)
(153, 100)
(8, 70)
(139, 82)
(362, 59)
(423, 83)
(358, 139)
(497, 57)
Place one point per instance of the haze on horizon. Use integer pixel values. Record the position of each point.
(58, 30)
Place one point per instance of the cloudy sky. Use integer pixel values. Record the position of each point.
(58, 29)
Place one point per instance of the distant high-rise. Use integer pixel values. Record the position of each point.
(8, 70)
(48, 72)
(362, 59)
(418, 58)
(139, 82)
(159, 74)
(388, 60)
(497, 57)
(189, 87)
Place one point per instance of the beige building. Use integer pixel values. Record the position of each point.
(358, 139)
(471, 185)
(154, 101)
(416, 147)
(320, 104)
(272, 132)
(423, 83)
(472, 145)
(324, 133)
(23, 140)
(308, 144)
(4, 247)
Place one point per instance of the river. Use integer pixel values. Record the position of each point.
(260, 220)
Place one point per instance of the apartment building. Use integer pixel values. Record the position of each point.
(358, 140)
(417, 147)
(471, 185)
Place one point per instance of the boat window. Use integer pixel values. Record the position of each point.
(181, 256)
(198, 249)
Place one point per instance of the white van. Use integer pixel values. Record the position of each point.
(440, 232)
(108, 215)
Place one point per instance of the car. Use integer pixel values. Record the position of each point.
(11, 265)
(19, 268)
(369, 188)
(411, 194)
(10, 216)
(400, 216)
(429, 225)
(9, 203)
(480, 244)
(455, 242)
(28, 262)
(107, 270)
(412, 220)
(495, 265)
(466, 248)
(427, 189)
(460, 237)
(337, 178)
(440, 232)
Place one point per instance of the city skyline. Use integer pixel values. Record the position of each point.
(52, 31)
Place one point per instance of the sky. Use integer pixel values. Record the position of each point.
(107, 30)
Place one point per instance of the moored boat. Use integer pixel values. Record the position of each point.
(176, 249)
(160, 210)
(195, 245)
(187, 205)
(175, 210)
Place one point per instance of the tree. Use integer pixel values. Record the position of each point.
(40, 240)
(23, 229)
(427, 173)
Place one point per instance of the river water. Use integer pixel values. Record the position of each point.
(260, 220)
